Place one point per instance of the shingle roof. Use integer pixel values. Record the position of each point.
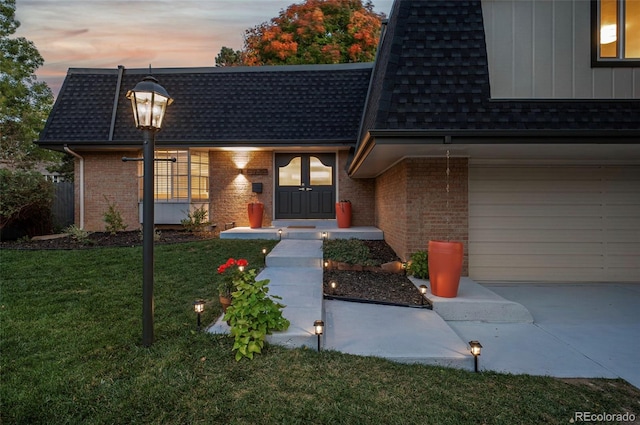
(432, 74)
(217, 106)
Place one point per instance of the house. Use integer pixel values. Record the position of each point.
(510, 125)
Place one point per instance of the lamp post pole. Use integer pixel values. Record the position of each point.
(147, 237)
(149, 101)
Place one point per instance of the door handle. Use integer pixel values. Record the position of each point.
(309, 188)
(301, 188)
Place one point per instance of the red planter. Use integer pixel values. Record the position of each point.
(343, 214)
(256, 210)
(445, 267)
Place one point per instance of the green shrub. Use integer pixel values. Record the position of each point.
(25, 201)
(419, 265)
(196, 220)
(350, 251)
(253, 315)
(78, 234)
(113, 219)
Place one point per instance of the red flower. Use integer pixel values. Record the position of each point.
(222, 268)
(230, 262)
(242, 262)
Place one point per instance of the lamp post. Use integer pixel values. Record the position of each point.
(149, 101)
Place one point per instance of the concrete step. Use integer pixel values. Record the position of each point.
(299, 233)
(401, 334)
(476, 303)
(296, 253)
(320, 224)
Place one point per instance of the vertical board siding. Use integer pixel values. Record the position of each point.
(63, 204)
(542, 49)
(554, 224)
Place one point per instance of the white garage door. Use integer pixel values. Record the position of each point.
(554, 223)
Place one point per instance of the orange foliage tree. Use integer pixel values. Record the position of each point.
(314, 32)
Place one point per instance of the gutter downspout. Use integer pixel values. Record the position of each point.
(69, 151)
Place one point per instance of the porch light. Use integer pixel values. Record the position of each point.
(198, 307)
(318, 326)
(476, 348)
(423, 292)
(149, 101)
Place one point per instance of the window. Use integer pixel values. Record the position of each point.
(185, 180)
(615, 32)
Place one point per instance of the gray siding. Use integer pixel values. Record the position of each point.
(542, 49)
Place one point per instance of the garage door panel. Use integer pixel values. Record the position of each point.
(498, 211)
(556, 223)
(518, 248)
(540, 274)
(539, 223)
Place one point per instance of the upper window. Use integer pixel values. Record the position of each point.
(616, 32)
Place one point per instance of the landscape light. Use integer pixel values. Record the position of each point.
(476, 348)
(318, 326)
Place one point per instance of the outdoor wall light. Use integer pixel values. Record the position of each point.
(423, 292)
(476, 348)
(149, 101)
(198, 307)
(318, 326)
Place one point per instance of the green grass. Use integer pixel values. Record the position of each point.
(71, 353)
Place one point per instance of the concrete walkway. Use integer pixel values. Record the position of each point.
(562, 330)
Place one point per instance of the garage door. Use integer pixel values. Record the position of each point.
(554, 224)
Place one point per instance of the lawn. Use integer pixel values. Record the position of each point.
(71, 353)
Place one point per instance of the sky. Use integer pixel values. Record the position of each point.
(139, 33)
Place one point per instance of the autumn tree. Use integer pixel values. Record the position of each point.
(25, 102)
(316, 32)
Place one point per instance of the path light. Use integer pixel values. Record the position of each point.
(264, 256)
(198, 307)
(280, 234)
(333, 284)
(241, 268)
(326, 264)
(149, 101)
(476, 348)
(319, 329)
(324, 236)
(423, 292)
(404, 267)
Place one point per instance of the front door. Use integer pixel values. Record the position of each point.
(305, 186)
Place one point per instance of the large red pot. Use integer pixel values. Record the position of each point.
(343, 214)
(256, 210)
(445, 267)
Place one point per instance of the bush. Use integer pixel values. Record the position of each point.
(196, 220)
(113, 219)
(419, 265)
(25, 201)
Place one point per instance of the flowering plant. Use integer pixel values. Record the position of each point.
(231, 272)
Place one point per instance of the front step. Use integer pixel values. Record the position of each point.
(296, 253)
(303, 233)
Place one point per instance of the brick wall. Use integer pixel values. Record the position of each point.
(106, 175)
(411, 204)
(230, 192)
(359, 191)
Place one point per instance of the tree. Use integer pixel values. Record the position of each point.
(315, 32)
(25, 102)
(229, 57)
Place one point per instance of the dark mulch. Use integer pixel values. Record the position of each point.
(373, 286)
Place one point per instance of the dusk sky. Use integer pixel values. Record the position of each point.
(139, 33)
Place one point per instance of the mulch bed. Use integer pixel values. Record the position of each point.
(383, 287)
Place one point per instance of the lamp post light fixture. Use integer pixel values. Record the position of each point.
(423, 292)
(318, 326)
(149, 101)
(476, 348)
(198, 307)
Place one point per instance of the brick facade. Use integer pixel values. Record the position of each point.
(105, 175)
(359, 191)
(230, 191)
(411, 204)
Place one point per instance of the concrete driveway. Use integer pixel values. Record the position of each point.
(579, 330)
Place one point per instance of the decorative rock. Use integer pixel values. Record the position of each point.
(393, 267)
